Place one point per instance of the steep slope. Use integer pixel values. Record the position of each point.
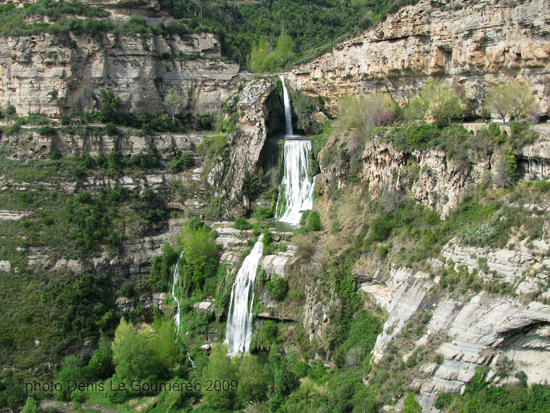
(473, 46)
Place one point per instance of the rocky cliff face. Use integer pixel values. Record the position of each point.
(227, 176)
(461, 332)
(472, 47)
(139, 71)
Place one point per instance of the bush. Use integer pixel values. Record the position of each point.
(304, 244)
(46, 131)
(381, 228)
(314, 221)
(382, 251)
(242, 224)
(56, 155)
(263, 213)
(277, 288)
(111, 129)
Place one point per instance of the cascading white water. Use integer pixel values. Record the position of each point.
(288, 113)
(177, 319)
(238, 334)
(296, 190)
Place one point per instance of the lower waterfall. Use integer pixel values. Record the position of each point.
(175, 278)
(238, 335)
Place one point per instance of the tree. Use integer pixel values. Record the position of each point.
(217, 380)
(131, 354)
(441, 102)
(175, 102)
(72, 371)
(284, 44)
(163, 344)
(515, 100)
(252, 386)
(100, 365)
(109, 105)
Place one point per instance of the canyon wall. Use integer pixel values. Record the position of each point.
(470, 46)
(57, 75)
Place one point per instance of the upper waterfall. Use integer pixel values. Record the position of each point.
(288, 109)
(296, 190)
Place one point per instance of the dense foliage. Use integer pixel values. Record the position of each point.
(298, 30)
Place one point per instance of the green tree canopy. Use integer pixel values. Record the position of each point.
(515, 100)
(219, 370)
(437, 102)
(133, 358)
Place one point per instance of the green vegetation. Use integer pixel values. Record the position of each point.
(242, 224)
(300, 31)
(482, 397)
(513, 100)
(198, 263)
(277, 288)
(437, 101)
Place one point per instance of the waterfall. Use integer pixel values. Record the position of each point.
(296, 190)
(238, 334)
(288, 109)
(177, 318)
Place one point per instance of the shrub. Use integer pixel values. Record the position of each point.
(277, 288)
(56, 155)
(268, 237)
(46, 131)
(262, 213)
(242, 224)
(314, 221)
(382, 251)
(111, 129)
(381, 228)
(304, 244)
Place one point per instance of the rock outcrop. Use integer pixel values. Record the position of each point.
(431, 177)
(228, 175)
(141, 71)
(463, 332)
(471, 46)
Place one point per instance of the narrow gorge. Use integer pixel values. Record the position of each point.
(201, 210)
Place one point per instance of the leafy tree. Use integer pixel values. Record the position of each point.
(199, 254)
(163, 344)
(505, 168)
(31, 406)
(514, 100)
(284, 44)
(219, 370)
(175, 103)
(252, 386)
(438, 101)
(132, 356)
(101, 365)
(280, 379)
(71, 371)
(266, 335)
(109, 105)
(199, 245)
